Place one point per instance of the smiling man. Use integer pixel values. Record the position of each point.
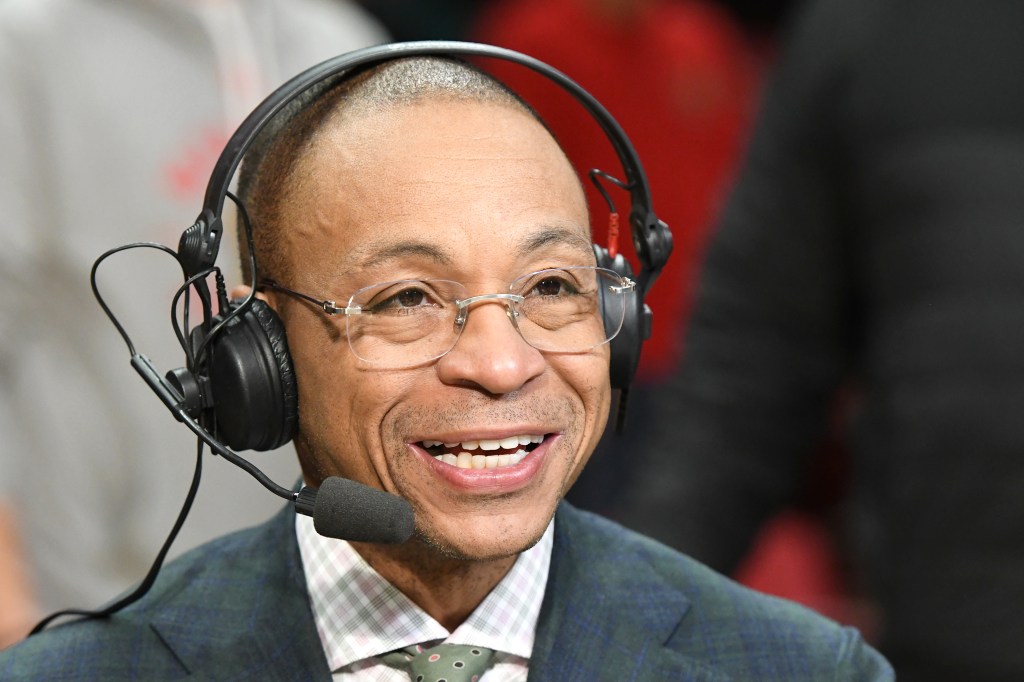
(445, 198)
(426, 245)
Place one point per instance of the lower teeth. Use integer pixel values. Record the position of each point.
(466, 460)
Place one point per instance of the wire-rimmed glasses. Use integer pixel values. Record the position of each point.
(406, 323)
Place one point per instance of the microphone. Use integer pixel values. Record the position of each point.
(353, 511)
(341, 508)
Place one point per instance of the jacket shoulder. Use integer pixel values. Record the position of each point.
(722, 626)
(197, 589)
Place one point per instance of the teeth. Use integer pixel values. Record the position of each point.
(457, 451)
(466, 460)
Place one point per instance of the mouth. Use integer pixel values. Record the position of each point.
(495, 453)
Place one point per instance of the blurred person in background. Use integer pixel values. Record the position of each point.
(872, 255)
(113, 116)
(682, 77)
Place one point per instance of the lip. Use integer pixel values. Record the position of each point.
(503, 480)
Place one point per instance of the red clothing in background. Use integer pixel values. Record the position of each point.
(678, 78)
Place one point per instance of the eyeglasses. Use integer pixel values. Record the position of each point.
(407, 323)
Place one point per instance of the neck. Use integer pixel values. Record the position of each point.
(448, 589)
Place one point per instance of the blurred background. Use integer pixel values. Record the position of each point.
(828, 408)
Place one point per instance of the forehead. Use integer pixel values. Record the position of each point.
(466, 184)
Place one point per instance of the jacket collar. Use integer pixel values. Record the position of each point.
(251, 614)
(608, 613)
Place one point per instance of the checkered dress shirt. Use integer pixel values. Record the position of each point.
(360, 615)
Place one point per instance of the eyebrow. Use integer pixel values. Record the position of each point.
(378, 255)
(554, 235)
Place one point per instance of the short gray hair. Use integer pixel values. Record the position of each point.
(266, 176)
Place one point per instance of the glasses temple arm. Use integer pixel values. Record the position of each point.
(328, 306)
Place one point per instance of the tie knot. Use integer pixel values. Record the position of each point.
(443, 663)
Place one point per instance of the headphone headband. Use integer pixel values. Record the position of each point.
(245, 385)
(651, 238)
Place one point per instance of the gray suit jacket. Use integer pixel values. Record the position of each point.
(618, 607)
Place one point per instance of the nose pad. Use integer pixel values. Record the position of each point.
(464, 305)
(462, 319)
(513, 315)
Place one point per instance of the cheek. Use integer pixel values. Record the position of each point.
(328, 395)
(318, 360)
(587, 376)
(342, 408)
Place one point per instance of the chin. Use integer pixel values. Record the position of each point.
(487, 540)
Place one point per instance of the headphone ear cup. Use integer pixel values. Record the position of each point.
(252, 381)
(636, 323)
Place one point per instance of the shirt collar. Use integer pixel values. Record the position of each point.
(359, 614)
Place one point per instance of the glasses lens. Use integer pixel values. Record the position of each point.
(570, 310)
(410, 322)
(404, 323)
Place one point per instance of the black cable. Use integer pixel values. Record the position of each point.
(95, 287)
(154, 569)
(220, 449)
(250, 245)
(247, 301)
(150, 578)
(182, 332)
(596, 175)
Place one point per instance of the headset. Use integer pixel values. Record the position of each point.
(238, 390)
(247, 386)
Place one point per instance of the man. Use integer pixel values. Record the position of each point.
(415, 184)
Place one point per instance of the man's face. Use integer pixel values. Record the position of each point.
(479, 194)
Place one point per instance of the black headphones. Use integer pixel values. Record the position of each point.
(245, 386)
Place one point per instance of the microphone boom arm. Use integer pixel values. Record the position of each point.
(176, 404)
(346, 509)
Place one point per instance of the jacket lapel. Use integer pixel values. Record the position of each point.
(249, 617)
(607, 613)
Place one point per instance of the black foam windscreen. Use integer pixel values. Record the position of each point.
(353, 511)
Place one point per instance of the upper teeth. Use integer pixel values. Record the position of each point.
(459, 455)
(486, 444)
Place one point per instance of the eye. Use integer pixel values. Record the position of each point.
(407, 298)
(552, 285)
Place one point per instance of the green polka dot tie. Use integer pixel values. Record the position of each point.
(442, 663)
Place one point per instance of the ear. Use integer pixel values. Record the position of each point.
(242, 290)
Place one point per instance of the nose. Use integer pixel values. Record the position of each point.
(491, 354)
